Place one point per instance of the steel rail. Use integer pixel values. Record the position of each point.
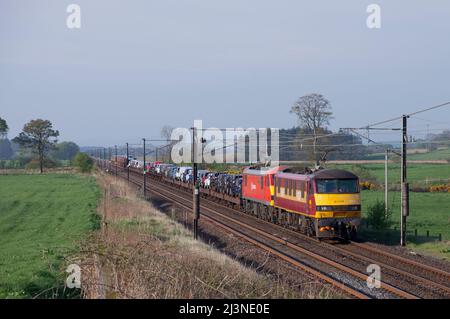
(404, 260)
(259, 244)
(386, 286)
(301, 250)
(404, 273)
(304, 251)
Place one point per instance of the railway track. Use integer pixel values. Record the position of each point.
(245, 232)
(409, 278)
(433, 282)
(287, 249)
(425, 270)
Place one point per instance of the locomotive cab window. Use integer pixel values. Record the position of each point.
(337, 186)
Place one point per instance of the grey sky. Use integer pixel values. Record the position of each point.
(137, 65)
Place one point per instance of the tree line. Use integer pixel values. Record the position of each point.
(37, 145)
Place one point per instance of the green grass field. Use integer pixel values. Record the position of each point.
(428, 211)
(42, 218)
(417, 173)
(443, 154)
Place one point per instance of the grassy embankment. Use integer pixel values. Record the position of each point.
(143, 253)
(42, 217)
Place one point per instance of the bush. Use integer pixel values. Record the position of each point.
(368, 186)
(440, 188)
(35, 164)
(364, 174)
(83, 162)
(10, 164)
(377, 217)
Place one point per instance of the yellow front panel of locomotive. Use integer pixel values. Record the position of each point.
(337, 200)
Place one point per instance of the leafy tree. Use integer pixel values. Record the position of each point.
(65, 151)
(6, 151)
(83, 162)
(3, 128)
(39, 136)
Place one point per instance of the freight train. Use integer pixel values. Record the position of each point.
(322, 203)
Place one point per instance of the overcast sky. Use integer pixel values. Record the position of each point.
(137, 65)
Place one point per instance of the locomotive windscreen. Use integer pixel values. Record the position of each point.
(337, 186)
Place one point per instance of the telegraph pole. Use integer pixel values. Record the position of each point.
(144, 180)
(115, 159)
(104, 159)
(196, 193)
(128, 166)
(405, 185)
(386, 206)
(109, 159)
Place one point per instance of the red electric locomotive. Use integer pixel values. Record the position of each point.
(258, 190)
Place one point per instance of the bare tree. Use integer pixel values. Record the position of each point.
(314, 114)
(166, 132)
(313, 111)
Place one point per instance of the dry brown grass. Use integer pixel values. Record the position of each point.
(142, 253)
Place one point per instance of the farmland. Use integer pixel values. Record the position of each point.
(441, 154)
(435, 155)
(42, 217)
(428, 211)
(417, 173)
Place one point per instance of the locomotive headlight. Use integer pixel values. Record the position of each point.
(342, 208)
(324, 208)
